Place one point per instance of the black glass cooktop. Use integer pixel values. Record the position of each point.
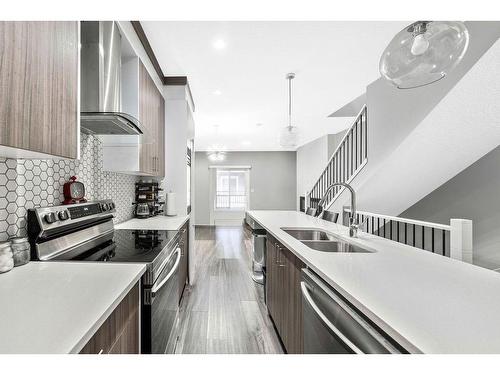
(131, 246)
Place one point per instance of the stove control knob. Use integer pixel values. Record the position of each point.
(50, 218)
(111, 206)
(63, 215)
(104, 207)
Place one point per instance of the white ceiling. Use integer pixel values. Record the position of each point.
(333, 62)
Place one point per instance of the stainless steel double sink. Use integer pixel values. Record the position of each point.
(320, 240)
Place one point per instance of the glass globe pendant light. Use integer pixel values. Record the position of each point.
(424, 52)
(216, 152)
(217, 155)
(289, 134)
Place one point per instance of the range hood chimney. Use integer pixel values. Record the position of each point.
(100, 99)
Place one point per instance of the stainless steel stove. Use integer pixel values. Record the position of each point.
(85, 232)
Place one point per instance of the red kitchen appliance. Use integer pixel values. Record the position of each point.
(74, 191)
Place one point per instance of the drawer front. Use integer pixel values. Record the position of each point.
(119, 323)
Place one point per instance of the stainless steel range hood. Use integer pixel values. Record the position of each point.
(100, 99)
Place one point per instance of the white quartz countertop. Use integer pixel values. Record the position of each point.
(159, 222)
(430, 302)
(56, 307)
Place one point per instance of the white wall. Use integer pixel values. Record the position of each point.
(272, 180)
(128, 31)
(312, 159)
(176, 136)
(472, 194)
(334, 141)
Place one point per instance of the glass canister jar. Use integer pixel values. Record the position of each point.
(6, 257)
(21, 250)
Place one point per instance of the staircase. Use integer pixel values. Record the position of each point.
(345, 163)
(417, 140)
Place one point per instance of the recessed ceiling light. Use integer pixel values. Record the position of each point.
(217, 92)
(219, 44)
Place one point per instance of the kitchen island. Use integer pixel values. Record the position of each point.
(426, 302)
(57, 307)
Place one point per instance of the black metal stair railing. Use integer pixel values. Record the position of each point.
(453, 240)
(348, 159)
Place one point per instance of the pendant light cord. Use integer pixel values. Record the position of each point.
(289, 77)
(289, 102)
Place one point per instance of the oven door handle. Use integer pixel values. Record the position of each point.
(167, 259)
(155, 287)
(324, 319)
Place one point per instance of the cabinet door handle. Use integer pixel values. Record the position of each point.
(279, 262)
(101, 351)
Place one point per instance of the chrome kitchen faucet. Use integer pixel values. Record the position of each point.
(353, 222)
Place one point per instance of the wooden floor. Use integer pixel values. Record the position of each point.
(223, 310)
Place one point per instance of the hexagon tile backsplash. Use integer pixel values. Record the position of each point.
(28, 183)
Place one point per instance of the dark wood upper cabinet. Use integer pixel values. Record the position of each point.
(152, 118)
(161, 139)
(147, 119)
(39, 87)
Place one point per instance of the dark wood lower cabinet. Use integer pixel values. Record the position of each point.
(270, 274)
(284, 299)
(119, 334)
(292, 317)
(128, 341)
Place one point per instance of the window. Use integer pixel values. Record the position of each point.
(231, 190)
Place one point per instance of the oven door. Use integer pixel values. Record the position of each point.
(161, 307)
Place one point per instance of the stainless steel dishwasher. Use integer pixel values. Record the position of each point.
(259, 235)
(332, 326)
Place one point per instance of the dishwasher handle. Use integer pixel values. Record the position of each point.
(363, 324)
(324, 319)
